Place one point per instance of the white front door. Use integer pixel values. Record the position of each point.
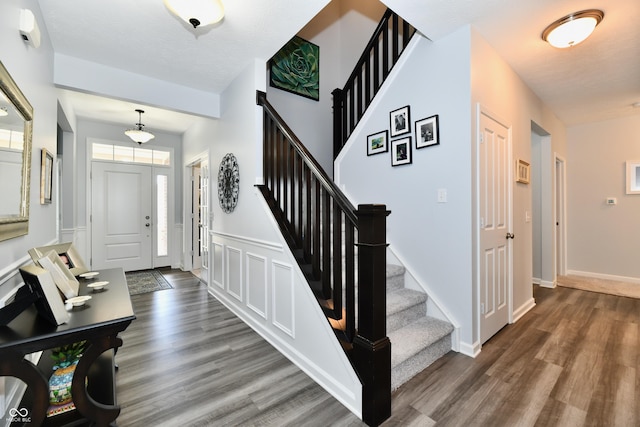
(495, 231)
(121, 220)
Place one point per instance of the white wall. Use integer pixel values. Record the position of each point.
(251, 268)
(433, 239)
(499, 89)
(32, 71)
(449, 77)
(603, 240)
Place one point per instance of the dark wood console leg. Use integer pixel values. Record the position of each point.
(101, 414)
(13, 364)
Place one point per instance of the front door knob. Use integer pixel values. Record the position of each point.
(510, 236)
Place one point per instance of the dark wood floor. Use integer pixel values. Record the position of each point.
(571, 361)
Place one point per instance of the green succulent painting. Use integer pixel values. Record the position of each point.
(296, 68)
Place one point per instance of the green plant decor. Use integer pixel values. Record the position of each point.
(296, 68)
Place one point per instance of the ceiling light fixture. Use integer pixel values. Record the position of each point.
(196, 12)
(138, 134)
(4, 112)
(572, 29)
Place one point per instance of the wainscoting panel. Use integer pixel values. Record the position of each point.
(256, 276)
(283, 298)
(234, 272)
(217, 264)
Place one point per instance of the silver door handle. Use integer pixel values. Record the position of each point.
(147, 225)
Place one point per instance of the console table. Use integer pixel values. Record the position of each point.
(99, 322)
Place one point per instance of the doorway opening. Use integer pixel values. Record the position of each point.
(197, 253)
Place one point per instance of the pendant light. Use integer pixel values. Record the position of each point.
(138, 134)
(572, 29)
(197, 12)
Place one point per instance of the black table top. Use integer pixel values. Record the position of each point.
(107, 311)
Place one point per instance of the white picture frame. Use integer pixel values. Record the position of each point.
(62, 276)
(50, 304)
(633, 177)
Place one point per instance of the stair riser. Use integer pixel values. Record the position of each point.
(403, 318)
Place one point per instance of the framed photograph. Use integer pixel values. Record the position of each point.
(522, 171)
(46, 177)
(401, 151)
(633, 177)
(62, 276)
(68, 254)
(378, 143)
(296, 68)
(399, 121)
(49, 302)
(427, 132)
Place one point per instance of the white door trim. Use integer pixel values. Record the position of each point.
(560, 215)
(482, 110)
(155, 168)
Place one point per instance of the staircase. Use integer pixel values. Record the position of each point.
(341, 249)
(417, 340)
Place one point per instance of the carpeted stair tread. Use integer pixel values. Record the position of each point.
(401, 299)
(411, 339)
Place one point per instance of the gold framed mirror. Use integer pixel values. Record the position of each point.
(16, 127)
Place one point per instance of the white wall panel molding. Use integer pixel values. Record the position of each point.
(233, 269)
(257, 283)
(217, 264)
(283, 297)
(248, 240)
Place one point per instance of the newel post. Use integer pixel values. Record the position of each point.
(371, 346)
(337, 121)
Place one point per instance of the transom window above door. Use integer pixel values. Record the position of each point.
(119, 153)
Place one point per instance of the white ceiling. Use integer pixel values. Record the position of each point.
(598, 79)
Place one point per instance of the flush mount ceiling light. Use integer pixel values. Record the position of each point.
(197, 12)
(138, 134)
(3, 112)
(572, 29)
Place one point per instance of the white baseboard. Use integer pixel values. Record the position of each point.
(471, 350)
(635, 280)
(523, 309)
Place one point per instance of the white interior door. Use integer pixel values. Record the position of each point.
(495, 231)
(121, 221)
(196, 219)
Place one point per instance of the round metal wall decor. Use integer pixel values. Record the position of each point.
(228, 183)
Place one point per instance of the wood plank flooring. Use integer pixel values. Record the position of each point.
(571, 361)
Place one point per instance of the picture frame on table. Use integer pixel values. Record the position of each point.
(46, 177)
(400, 121)
(523, 171)
(49, 302)
(67, 253)
(378, 143)
(401, 151)
(62, 276)
(427, 132)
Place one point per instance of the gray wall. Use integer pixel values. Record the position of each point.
(603, 240)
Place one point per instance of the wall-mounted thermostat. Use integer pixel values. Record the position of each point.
(612, 201)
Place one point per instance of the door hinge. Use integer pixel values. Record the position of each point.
(481, 308)
(481, 138)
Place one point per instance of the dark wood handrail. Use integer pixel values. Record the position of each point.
(320, 226)
(391, 37)
(313, 164)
